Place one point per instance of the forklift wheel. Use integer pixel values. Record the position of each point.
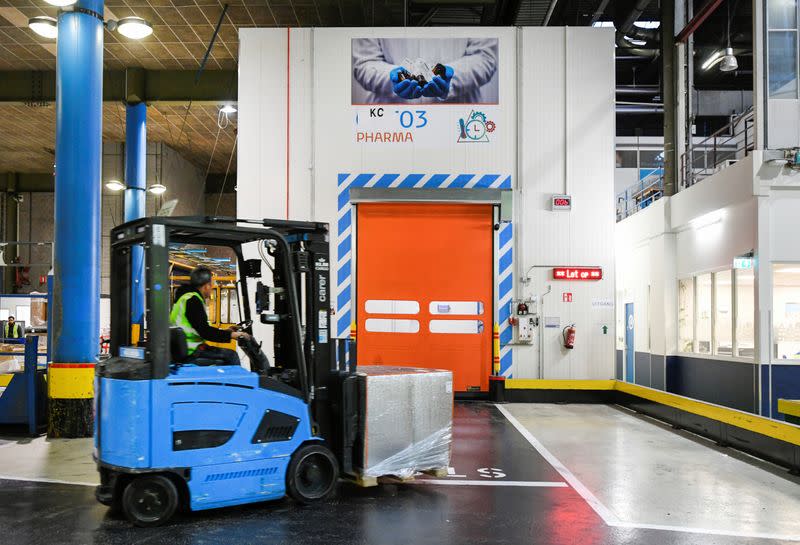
(149, 500)
(312, 475)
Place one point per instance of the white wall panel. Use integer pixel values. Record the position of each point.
(565, 119)
(567, 146)
(713, 247)
(261, 161)
(663, 243)
(784, 227)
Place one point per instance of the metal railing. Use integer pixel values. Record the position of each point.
(640, 195)
(727, 145)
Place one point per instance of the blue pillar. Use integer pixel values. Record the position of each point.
(136, 180)
(76, 289)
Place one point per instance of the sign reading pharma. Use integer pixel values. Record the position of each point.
(428, 91)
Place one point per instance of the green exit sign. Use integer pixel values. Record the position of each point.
(742, 262)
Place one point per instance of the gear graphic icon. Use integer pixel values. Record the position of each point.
(479, 115)
(490, 126)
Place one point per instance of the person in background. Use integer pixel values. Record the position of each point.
(189, 313)
(12, 330)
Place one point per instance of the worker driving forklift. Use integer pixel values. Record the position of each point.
(189, 314)
(177, 428)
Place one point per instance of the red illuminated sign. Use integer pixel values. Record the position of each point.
(561, 202)
(577, 273)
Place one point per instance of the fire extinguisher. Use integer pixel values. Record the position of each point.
(568, 333)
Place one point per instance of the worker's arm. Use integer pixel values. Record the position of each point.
(370, 68)
(196, 314)
(475, 68)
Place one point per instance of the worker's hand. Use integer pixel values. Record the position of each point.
(439, 87)
(240, 335)
(407, 88)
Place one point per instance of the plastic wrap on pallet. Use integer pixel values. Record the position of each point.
(407, 421)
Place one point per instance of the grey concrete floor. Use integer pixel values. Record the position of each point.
(646, 475)
(521, 473)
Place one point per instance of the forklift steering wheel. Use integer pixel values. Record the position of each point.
(241, 326)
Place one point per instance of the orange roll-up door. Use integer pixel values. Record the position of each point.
(424, 288)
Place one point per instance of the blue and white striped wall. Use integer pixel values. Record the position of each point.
(504, 243)
(344, 243)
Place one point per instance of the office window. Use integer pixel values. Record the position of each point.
(781, 14)
(782, 47)
(651, 158)
(786, 311)
(745, 313)
(723, 313)
(627, 158)
(686, 315)
(703, 313)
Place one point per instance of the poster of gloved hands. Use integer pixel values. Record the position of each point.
(425, 71)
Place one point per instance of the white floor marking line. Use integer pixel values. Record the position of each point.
(532, 484)
(704, 531)
(603, 512)
(44, 480)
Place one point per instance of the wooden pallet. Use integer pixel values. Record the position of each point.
(366, 482)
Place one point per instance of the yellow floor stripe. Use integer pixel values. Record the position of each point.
(5, 379)
(758, 424)
(789, 406)
(540, 384)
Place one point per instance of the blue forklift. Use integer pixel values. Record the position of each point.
(171, 434)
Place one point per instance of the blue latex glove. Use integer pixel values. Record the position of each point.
(408, 88)
(440, 86)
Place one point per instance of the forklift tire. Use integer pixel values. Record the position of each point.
(149, 500)
(312, 474)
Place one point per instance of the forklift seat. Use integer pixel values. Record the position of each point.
(179, 350)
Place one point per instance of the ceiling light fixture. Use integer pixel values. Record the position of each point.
(134, 28)
(729, 62)
(228, 109)
(60, 3)
(157, 189)
(115, 185)
(46, 27)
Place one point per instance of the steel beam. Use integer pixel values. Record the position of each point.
(710, 7)
(132, 85)
(24, 182)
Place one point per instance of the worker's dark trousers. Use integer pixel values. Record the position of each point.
(213, 355)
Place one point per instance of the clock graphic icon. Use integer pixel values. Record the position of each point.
(476, 129)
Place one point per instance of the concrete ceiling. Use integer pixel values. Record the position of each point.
(27, 134)
(182, 30)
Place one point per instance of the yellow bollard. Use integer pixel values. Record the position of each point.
(496, 349)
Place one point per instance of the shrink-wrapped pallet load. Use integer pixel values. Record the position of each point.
(406, 422)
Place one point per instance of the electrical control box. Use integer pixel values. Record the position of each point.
(524, 319)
